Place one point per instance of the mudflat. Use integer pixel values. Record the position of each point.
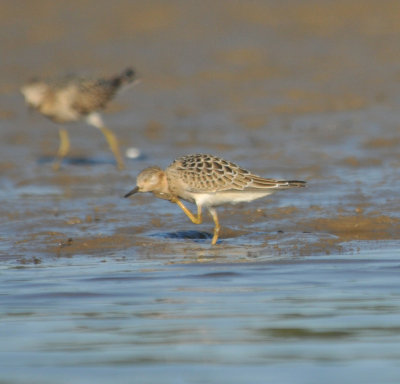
(299, 90)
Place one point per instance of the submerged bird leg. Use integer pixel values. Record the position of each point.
(195, 219)
(63, 149)
(217, 227)
(96, 120)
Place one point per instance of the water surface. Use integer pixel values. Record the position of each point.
(306, 318)
(302, 286)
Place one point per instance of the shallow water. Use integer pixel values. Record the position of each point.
(302, 286)
(302, 319)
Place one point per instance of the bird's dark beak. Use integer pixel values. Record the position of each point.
(134, 190)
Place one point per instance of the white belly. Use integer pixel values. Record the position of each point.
(214, 199)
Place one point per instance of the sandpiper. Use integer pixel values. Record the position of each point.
(71, 98)
(208, 181)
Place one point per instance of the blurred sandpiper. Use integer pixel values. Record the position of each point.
(72, 98)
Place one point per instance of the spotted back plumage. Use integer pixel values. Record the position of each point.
(207, 173)
(93, 95)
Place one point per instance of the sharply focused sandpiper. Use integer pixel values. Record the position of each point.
(207, 181)
(73, 98)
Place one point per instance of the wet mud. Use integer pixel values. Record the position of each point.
(299, 90)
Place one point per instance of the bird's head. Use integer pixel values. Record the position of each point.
(34, 92)
(152, 179)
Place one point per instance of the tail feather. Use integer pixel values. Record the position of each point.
(291, 183)
(126, 77)
(261, 182)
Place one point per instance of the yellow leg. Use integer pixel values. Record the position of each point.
(63, 148)
(113, 143)
(217, 227)
(193, 218)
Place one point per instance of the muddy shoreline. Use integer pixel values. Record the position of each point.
(278, 89)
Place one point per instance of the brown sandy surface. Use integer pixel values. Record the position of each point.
(301, 90)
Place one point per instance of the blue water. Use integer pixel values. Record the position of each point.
(304, 320)
(95, 288)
